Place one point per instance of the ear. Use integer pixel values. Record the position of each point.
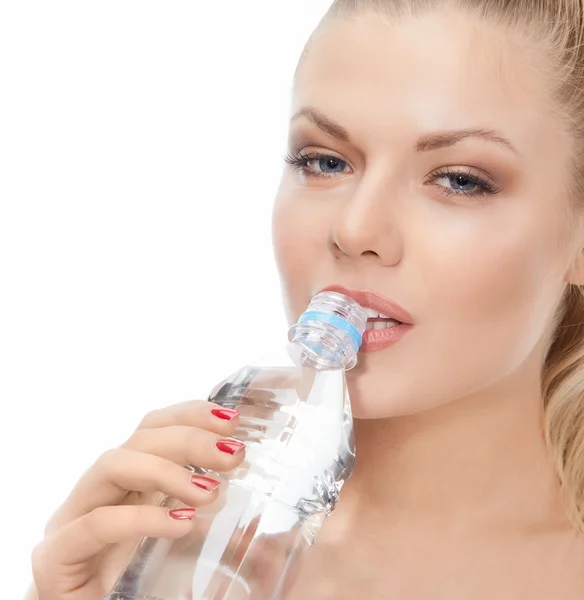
(575, 274)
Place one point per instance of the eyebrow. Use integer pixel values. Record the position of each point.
(314, 116)
(444, 139)
(428, 143)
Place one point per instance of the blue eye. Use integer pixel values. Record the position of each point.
(317, 164)
(462, 183)
(330, 164)
(455, 182)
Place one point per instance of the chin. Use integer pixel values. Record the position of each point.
(375, 396)
(370, 400)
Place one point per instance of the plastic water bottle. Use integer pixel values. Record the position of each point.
(297, 425)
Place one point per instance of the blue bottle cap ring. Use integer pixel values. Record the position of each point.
(337, 322)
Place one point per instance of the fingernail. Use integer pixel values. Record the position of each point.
(230, 446)
(209, 485)
(224, 413)
(182, 514)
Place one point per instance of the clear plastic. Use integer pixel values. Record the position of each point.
(297, 426)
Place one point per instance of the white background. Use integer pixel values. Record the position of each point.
(140, 151)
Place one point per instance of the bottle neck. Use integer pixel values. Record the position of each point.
(328, 335)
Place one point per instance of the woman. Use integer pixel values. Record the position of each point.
(436, 158)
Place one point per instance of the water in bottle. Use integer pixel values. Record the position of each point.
(297, 426)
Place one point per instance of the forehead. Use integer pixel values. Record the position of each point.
(440, 71)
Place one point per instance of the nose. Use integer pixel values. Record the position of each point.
(367, 225)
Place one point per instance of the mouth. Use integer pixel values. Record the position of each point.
(387, 321)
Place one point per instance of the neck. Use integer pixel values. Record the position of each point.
(481, 459)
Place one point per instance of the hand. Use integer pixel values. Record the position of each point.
(91, 537)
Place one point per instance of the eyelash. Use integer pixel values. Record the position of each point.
(300, 163)
(485, 187)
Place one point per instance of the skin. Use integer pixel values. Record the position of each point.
(453, 495)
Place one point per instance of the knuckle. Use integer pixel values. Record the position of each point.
(150, 418)
(39, 558)
(107, 463)
(193, 403)
(51, 526)
(158, 469)
(190, 404)
(137, 439)
(93, 521)
(57, 520)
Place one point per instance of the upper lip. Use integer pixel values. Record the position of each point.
(374, 301)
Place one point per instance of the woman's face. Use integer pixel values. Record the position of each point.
(431, 170)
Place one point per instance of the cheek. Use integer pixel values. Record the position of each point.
(299, 234)
(497, 279)
(482, 289)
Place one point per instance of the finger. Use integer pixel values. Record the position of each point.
(87, 536)
(189, 446)
(122, 470)
(194, 413)
(118, 472)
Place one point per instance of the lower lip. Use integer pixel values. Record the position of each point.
(380, 339)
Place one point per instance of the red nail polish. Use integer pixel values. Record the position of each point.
(209, 485)
(182, 514)
(230, 446)
(224, 413)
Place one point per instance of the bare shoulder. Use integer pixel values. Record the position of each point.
(543, 565)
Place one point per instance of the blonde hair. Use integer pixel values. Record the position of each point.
(556, 28)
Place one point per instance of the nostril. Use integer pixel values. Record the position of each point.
(370, 254)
